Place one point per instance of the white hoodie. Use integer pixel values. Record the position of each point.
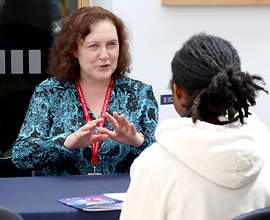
(201, 171)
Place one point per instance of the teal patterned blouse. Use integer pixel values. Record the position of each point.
(55, 111)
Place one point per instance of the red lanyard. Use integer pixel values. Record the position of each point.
(95, 146)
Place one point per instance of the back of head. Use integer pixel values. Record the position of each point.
(208, 68)
(7, 214)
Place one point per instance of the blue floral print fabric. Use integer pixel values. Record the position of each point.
(55, 111)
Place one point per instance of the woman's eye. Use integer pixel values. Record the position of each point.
(113, 43)
(93, 45)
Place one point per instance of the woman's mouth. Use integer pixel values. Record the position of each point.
(103, 66)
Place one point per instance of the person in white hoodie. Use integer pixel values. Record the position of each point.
(213, 162)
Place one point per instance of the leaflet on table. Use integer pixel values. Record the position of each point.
(102, 202)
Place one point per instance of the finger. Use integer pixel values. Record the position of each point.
(112, 121)
(100, 137)
(118, 119)
(106, 131)
(81, 134)
(87, 127)
(95, 122)
(125, 122)
(98, 121)
(132, 128)
(92, 124)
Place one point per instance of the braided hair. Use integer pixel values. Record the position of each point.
(208, 68)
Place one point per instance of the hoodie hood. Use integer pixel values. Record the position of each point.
(229, 155)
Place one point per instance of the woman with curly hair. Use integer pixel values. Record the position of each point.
(213, 162)
(89, 116)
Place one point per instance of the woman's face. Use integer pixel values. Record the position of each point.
(98, 54)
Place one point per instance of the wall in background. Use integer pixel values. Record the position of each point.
(158, 31)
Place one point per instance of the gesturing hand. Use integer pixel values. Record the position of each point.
(84, 137)
(124, 132)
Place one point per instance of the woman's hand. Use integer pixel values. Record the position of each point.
(124, 132)
(84, 137)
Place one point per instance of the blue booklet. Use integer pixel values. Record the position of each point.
(102, 202)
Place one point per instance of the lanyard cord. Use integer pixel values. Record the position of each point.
(95, 146)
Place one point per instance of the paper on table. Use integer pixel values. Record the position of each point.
(119, 196)
(102, 202)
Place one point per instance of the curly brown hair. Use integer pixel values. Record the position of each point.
(62, 63)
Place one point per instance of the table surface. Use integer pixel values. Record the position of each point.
(36, 197)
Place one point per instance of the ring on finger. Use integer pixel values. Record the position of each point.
(127, 129)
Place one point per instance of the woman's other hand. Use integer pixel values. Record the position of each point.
(124, 132)
(84, 137)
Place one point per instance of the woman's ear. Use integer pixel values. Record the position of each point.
(179, 98)
(178, 92)
(75, 54)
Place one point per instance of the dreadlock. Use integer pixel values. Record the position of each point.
(208, 68)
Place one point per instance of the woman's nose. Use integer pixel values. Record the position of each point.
(103, 53)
